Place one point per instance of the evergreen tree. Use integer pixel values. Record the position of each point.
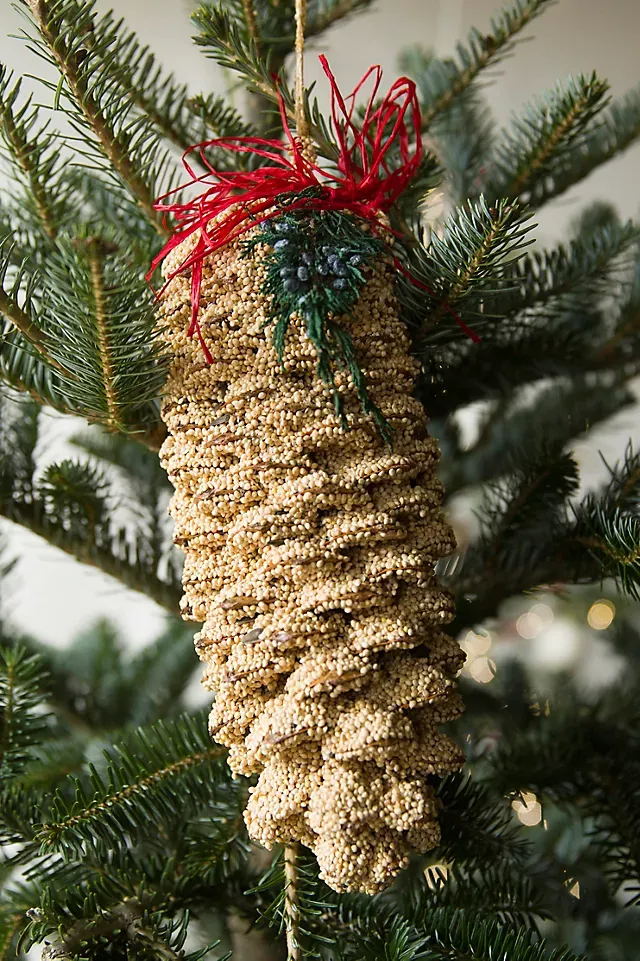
(121, 825)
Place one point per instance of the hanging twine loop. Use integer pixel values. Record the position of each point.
(302, 124)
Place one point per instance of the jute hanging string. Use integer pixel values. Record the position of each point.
(302, 125)
(306, 499)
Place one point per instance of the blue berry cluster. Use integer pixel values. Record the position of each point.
(323, 266)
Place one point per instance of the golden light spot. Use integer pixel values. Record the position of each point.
(575, 890)
(483, 669)
(601, 614)
(544, 612)
(529, 625)
(476, 644)
(528, 809)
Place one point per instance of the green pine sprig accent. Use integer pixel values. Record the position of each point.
(316, 267)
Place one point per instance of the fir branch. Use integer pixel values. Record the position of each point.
(219, 117)
(22, 321)
(524, 537)
(492, 892)
(67, 506)
(60, 27)
(372, 933)
(592, 265)
(549, 129)
(623, 490)
(530, 537)
(165, 769)
(618, 129)
(96, 267)
(102, 313)
(180, 118)
(22, 726)
(584, 403)
(442, 81)
(230, 46)
(476, 830)
(23, 371)
(613, 539)
(459, 266)
(34, 156)
(325, 14)
(129, 922)
(18, 304)
(111, 558)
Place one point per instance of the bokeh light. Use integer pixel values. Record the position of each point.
(528, 809)
(544, 612)
(529, 625)
(482, 669)
(601, 614)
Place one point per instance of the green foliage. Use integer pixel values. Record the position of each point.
(441, 82)
(93, 92)
(618, 128)
(229, 42)
(584, 404)
(70, 505)
(548, 130)
(34, 160)
(110, 350)
(172, 812)
(137, 790)
(459, 268)
(476, 828)
(121, 822)
(21, 726)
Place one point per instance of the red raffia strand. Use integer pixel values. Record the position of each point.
(364, 184)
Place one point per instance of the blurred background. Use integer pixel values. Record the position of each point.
(52, 597)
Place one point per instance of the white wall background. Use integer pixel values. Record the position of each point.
(51, 595)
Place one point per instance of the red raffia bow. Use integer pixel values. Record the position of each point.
(363, 184)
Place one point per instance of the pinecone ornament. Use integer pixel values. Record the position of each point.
(310, 547)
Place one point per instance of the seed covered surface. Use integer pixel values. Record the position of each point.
(310, 553)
